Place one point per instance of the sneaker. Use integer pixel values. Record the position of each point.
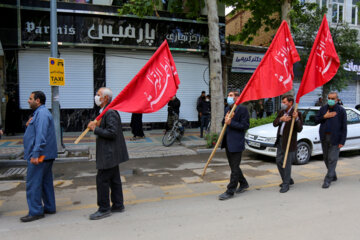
(99, 215)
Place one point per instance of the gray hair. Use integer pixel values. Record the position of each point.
(333, 92)
(107, 92)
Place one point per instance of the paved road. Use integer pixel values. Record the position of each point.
(166, 198)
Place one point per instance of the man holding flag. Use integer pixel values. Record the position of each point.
(283, 121)
(321, 67)
(110, 152)
(234, 144)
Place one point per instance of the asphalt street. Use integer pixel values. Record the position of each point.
(166, 198)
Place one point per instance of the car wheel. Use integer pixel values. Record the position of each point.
(303, 153)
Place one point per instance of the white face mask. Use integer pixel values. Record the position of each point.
(97, 101)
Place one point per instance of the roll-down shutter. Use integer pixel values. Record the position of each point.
(78, 91)
(122, 66)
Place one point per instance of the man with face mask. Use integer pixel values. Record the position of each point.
(110, 152)
(234, 144)
(40, 151)
(283, 121)
(333, 130)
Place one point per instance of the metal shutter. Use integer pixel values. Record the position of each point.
(78, 91)
(122, 66)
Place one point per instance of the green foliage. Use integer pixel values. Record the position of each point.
(305, 22)
(264, 13)
(144, 8)
(140, 8)
(211, 139)
(261, 121)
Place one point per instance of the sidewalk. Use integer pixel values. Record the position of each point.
(11, 147)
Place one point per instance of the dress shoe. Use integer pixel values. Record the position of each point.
(334, 179)
(117, 209)
(225, 196)
(29, 218)
(326, 185)
(291, 182)
(284, 188)
(242, 188)
(99, 215)
(49, 212)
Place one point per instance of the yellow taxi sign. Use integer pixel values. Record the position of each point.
(56, 71)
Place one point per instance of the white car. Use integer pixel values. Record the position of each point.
(262, 139)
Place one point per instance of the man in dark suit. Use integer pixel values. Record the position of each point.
(283, 121)
(333, 131)
(110, 152)
(234, 144)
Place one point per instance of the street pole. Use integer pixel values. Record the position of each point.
(55, 105)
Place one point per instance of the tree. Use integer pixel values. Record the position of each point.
(306, 19)
(193, 8)
(217, 97)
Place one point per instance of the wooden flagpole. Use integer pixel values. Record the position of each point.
(218, 142)
(83, 134)
(290, 135)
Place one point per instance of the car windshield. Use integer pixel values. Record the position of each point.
(308, 116)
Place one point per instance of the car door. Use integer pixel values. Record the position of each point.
(353, 130)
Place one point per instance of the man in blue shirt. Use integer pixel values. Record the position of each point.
(333, 131)
(40, 152)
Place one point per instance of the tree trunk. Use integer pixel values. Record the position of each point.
(285, 10)
(217, 97)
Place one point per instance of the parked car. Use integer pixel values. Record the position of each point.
(262, 139)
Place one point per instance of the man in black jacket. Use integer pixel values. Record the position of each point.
(173, 111)
(283, 122)
(234, 144)
(110, 152)
(333, 131)
(205, 114)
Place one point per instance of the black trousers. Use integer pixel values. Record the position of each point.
(285, 173)
(109, 179)
(331, 156)
(236, 175)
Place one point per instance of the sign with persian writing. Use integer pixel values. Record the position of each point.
(245, 62)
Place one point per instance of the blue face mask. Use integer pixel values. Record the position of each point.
(331, 102)
(230, 100)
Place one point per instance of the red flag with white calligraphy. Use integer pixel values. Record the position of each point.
(323, 62)
(152, 88)
(274, 75)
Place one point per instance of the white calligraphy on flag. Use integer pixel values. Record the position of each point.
(282, 58)
(159, 78)
(325, 61)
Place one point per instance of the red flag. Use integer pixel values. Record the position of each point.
(323, 62)
(274, 75)
(152, 88)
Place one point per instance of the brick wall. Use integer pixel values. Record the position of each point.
(236, 23)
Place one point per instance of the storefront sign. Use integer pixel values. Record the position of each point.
(88, 30)
(246, 62)
(56, 72)
(351, 67)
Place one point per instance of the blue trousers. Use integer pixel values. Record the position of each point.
(40, 193)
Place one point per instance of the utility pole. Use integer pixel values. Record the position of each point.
(55, 105)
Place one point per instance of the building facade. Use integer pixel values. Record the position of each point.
(239, 72)
(100, 48)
